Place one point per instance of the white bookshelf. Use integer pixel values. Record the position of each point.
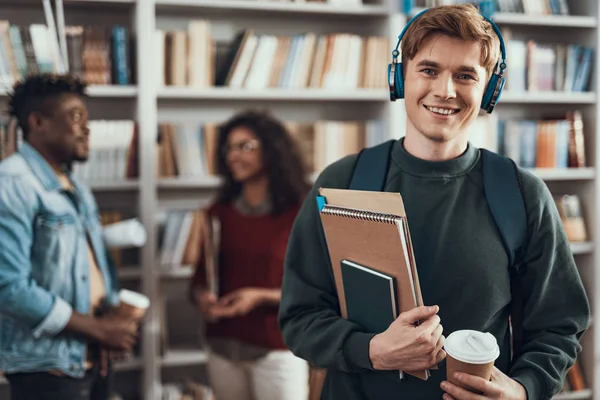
(528, 20)
(112, 91)
(149, 104)
(289, 95)
(547, 98)
(277, 7)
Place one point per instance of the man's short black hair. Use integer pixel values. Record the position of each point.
(32, 95)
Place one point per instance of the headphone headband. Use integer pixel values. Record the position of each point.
(396, 53)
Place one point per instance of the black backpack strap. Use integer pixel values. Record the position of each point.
(504, 194)
(370, 170)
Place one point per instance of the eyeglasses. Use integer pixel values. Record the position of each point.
(245, 147)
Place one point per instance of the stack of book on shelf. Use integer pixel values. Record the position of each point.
(324, 142)
(186, 58)
(546, 67)
(548, 143)
(99, 55)
(189, 150)
(259, 61)
(179, 237)
(113, 152)
(553, 142)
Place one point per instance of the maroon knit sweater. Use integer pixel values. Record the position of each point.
(252, 252)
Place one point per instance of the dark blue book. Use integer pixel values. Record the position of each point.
(370, 296)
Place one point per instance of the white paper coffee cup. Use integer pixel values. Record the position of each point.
(471, 352)
(124, 234)
(132, 305)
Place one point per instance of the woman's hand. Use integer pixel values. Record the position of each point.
(207, 304)
(241, 302)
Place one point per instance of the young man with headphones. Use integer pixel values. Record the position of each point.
(453, 60)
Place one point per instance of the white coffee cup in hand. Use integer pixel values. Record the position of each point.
(124, 234)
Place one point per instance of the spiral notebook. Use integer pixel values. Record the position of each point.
(370, 229)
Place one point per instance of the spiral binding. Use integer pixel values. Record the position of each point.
(362, 215)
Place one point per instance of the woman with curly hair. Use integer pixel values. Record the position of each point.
(264, 185)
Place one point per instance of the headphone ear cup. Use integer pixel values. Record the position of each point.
(391, 75)
(399, 82)
(489, 92)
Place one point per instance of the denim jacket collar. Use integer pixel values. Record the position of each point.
(41, 168)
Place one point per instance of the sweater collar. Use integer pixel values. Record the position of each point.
(435, 169)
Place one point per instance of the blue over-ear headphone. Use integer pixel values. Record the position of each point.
(492, 90)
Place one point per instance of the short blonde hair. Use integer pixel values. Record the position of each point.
(461, 21)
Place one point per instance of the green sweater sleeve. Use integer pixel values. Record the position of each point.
(309, 313)
(556, 309)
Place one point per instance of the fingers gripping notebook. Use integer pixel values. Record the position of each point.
(370, 230)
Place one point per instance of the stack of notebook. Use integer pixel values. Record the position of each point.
(371, 256)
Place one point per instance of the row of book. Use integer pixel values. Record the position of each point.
(257, 61)
(544, 67)
(533, 7)
(113, 149)
(557, 142)
(113, 152)
(190, 150)
(179, 238)
(100, 55)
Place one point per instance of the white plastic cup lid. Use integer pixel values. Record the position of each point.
(472, 347)
(134, 298)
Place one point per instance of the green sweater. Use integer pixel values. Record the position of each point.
(463, 268)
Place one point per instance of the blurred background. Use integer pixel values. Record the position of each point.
(164, 74)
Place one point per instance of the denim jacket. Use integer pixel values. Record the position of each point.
(44, 265)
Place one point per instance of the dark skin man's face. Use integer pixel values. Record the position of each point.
(62, 134)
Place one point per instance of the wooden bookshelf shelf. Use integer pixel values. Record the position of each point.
(276, 94)
(183, 357)
(114, 186)
(69, 3)
(276, 7)
(132, 364)
(547, 98)
(564, 174)
(190, 93)
(181, 272)
(129, 273)
(565, 21)
(109, 91)
(582, 247)
(207, 182)
(112, 91)
(528, 20)
(578, 395)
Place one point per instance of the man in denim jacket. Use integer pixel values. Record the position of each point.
(54, 270)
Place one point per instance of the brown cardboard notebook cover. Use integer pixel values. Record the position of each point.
(384, 246)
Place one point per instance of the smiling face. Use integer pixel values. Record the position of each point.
(444, 86)
(243, 155)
